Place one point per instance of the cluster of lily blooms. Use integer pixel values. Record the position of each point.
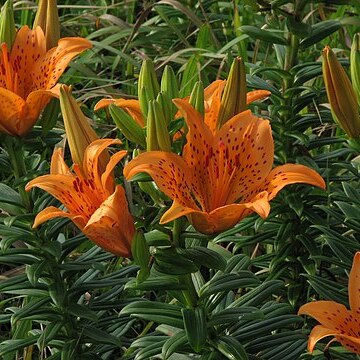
(223, 173)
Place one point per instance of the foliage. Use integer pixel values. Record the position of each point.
(185, 295)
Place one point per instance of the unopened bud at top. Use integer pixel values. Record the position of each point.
(233, 100)
(7, 24)
(47, 18)
(341, 94)
(355, 65)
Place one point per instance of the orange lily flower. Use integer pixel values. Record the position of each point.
(212, 100)
(336, 320)
(95, 205)
(223, 176)
(28, 77)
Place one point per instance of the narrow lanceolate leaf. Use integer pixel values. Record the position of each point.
(195, 327)
(161, 313)
(320, 31)
(230, 348)
(175, 342)
(7, 24)
(127, 125)
(264, 35)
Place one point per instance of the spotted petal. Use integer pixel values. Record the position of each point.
(349, 342)
(317, 333)
(228, 216)
(290, 174)
(53, 212)
(169, 171)
(255, 95)
(11, 108)
(58, 165)
(111, 226)
(48, 70)
(332, 315)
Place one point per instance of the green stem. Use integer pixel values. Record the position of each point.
(178, 241)
(16, 155)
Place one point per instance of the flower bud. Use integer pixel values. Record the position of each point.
(355, 65)
(48, 19)
(233, 100)
(169, 87)
(127, 125)
(7, 24)
(79, 133)
(148, 86)
(157, 132)
(197, 97)
(341, 94)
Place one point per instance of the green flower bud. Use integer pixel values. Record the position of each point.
(233, 100)
(127, 125)
(148, 86)
(341, 94)
(355, 65)
(197, 97)
(7, 24)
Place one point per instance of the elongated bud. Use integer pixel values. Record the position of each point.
(341, 94)
(355, 65)
(197, 97)
(148, 86)
(233, 100)
(7, 24)
(157, 133)
(47, 18)
(79, 133)
(166, 106)
(169, 87)
(127, 125)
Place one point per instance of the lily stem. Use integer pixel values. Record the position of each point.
(16, 155)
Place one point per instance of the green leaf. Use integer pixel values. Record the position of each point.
(230, 348)
(226, 282)
(319, 32)
(266, 35)
(161, 313)
(140, 250)
(195, 327)
(175, 342)
(206, 257)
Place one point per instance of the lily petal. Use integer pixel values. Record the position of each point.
(53, 212)
(354, 285)
(331, 315)
(176, 211)
(91, 160)
(110, 227)
(58, 165)
(290, 174)
(29, 46)
(255, 95)
(68, 190)
(169, 171)
(48, 70)
(349, 342)
(212, 99)
(228, 216)
(317, 333)
(11, 107)
(196, 151)
(251, 149)
(107, 179)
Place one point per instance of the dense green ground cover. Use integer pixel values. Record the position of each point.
(63, 298)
